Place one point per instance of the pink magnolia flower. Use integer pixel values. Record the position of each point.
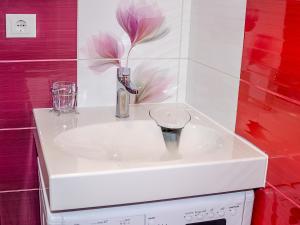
(141, 21)
(104, 47)
(154, 85)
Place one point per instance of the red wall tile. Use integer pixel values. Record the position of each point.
(269, 104)
(284, 175)
(271, 50)
(271, 208)
(19, 208)
(269, 121)
(56, 30)
(25, 85)
(18, 166)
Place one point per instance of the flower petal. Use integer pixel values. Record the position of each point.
(140, 21)
(107, 49)
(104, 46)
(108, 46)
(101, 66)
(154, 85)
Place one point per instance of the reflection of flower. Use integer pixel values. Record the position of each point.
(141, 21)
(154, 85)
(106, 47)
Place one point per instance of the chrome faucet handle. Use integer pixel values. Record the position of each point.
(124, 79)
(131, 88)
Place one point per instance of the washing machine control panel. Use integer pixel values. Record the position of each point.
(178, 214)
(218, 215)
(128, 220)
(213, 213)
(224, 209)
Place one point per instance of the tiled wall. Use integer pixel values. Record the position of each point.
(163, 60)
(27, 68)
(206, 45)
(216, 43)
(269, 104)
(262, 102)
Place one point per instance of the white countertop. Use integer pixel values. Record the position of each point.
(133, 165)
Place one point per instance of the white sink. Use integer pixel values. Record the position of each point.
(135, 141)
(93, 159)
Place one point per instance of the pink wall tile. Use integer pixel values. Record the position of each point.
(18, 165)
(25, 85)
(56, 30)
(19, 208)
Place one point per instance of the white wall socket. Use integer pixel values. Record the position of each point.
(20, 25)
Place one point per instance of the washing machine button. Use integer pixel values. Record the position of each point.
(221, 213)
(232, 211)
(188, 218)
(151, 222)
(200, 216)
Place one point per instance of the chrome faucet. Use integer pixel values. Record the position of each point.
(124, 89)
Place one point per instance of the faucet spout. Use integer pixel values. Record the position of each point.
(124, 88)
(128, 85)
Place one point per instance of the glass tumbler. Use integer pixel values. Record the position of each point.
(64, 96)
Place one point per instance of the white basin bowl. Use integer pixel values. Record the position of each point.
(135, 141)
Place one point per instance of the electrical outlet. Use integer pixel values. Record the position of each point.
(20, 25)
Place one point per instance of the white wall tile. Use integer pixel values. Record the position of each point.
(213, 93)
(207, 31)
(99, 16)
(100, 89)
(95, 89)
(217, 32)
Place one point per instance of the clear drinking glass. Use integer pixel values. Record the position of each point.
(64, 96)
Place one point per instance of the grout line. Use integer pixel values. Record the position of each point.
(135, 58)
(190, 29)
(21, 190)
(180, 52)
(213, 68)
(296, 102)
(20, 128)
(86, 59)
(283, 195)
(37, 60)
(77, 34)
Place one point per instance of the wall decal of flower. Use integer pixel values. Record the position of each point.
(143, 21)
(105, 47)
(155, 85)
